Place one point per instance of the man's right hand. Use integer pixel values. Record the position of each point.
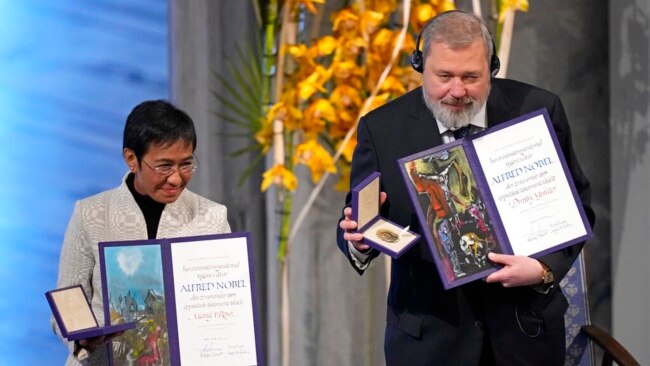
(348, 225)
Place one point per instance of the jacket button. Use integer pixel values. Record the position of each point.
(478, 324)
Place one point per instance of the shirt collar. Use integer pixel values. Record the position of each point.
(479, 120)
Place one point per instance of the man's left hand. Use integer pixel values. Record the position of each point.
(517, 270)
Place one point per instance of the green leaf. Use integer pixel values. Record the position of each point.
(243, 98)
(247, 172)
(242, 93)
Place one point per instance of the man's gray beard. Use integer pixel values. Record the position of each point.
(452, 120)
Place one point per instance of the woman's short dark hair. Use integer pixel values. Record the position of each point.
(157, 122)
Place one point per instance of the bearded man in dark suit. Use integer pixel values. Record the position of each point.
(516, 315)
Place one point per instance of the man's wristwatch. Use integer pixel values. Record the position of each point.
(548, 280)
(547, 274)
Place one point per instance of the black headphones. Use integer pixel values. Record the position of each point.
(417, 60)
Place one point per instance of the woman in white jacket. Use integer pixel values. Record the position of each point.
(152, 202)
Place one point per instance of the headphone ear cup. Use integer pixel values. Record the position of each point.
(495, 65)
(416, 61)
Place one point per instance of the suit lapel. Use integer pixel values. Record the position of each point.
(124, 219)
(423, 130)
(498, 107)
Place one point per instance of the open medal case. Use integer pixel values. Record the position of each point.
(378, 232)
(75, 317)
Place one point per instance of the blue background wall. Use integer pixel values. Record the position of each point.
(70, 72)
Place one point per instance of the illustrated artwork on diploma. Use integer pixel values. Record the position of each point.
(135, 286)
(456, 216)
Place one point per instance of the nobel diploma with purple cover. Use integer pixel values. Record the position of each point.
(193, 299)
(378, 232)
(505, 190)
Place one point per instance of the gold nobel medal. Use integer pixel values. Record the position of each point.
(388, 236)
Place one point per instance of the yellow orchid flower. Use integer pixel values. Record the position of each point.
(379, 100)
(309, 5)
(316, 114)
(345, 69)
(514, 4)
(285, 112)
(264, 136)
(345, 96)
(348, 150)
(444, 5)
(411, 78)
(277, 111)
(382, 47)
(297, 51)
(421, 14)
(383, 6)
(345, 119)
(347, 72)
(345, 21)
(409, 44)
(313, 83)
(343, 184)
(347, 101)
(351, 47)
(316, 158)
(281, 176)
(324, 46)
(303, 56)
(370, 21)
(505, 5)
(393, 85)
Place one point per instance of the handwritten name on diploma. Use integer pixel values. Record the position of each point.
(530, 199)
(209, 286)
(221, 314)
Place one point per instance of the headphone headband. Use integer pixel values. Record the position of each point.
(417, 58)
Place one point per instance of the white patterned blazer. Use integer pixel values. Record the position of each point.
(114, 215)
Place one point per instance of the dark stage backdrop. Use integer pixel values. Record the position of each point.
(70, 72)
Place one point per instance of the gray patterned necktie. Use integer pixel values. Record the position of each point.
(461, 132)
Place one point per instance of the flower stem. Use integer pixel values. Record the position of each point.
(284, 226)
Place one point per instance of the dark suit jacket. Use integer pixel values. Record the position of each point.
(427, 325)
